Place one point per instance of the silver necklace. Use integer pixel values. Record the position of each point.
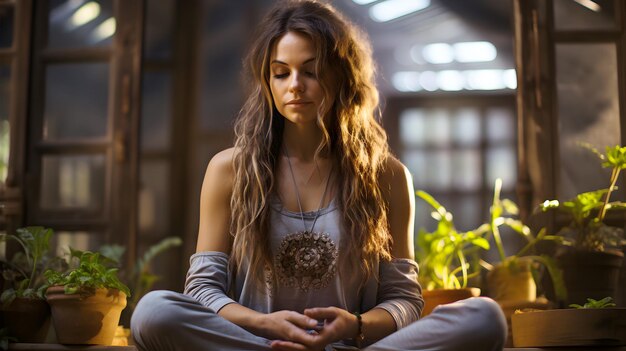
(295, 185)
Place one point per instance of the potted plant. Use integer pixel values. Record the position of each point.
(447, 258)
(511, 281)
(24, 308)
(590, 259)
(596, 323)
(87, 300)
(140, 278)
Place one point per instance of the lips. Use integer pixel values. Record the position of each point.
(298, 102)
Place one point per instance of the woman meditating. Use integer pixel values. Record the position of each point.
(305, 239)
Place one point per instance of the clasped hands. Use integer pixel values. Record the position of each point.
(293, 331)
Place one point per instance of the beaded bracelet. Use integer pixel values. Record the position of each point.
(359, 336)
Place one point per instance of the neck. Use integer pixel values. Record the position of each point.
(302, 141)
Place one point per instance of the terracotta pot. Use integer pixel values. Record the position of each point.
(86, 320)
(512, 283)
(600, 327)
(434, 298)
(28, 320)
(590, 274)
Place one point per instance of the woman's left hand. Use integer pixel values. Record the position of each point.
(339, 324)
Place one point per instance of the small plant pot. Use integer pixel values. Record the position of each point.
(590, 274)
(28, 320)
(436, 297)
(512, 283)
(90, 320)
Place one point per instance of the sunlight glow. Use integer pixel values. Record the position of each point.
(392, 9)
(105, 29)
(590, 5)
(406, 81)
(85, 14)
(363, 2)
(476, 51)
(453, 80)
(438, 53)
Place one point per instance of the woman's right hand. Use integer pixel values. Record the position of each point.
(288, 326)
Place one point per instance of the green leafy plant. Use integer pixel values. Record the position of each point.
(24, 272)
(591, 303)
(140, 279)
(93, 271)
(503, 212)
(446, 255)
(587, 230)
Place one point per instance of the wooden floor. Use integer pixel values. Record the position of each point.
(58, 347)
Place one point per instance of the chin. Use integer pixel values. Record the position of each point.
(301, 119)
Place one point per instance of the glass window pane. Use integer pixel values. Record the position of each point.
(76, 100)
(584, 14)
(500, 125)
(78, 240)
(438, 170)
(7, 19)
(588, 111)
(437, 128)
(502, 163)
(156, 111)
(80, 23)
(466, 172)
(159, 31)
(73, 182)
(430, 170)
(467, 211)
(5, 135)
(225, 28)
(154, 198)
(466, 127)
(412, 127)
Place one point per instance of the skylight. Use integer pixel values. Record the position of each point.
(391, 9)
(363, 2)
(474, 51)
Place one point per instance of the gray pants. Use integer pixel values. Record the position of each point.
(166, 320)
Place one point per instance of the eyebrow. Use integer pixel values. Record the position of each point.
(284, 63)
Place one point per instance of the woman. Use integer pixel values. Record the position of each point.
(306, 225)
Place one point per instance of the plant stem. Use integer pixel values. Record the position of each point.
(614, 177)
(527, 247)
(494, 227)
(464, 269)
(32, 274)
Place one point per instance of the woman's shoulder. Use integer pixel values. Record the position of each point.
(220, 166)
(224, 160)
(393, 172)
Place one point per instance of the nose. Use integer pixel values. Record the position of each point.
(296, 85)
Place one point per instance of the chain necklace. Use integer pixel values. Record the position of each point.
(295, 185)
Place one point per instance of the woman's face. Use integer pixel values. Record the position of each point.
(294, 84)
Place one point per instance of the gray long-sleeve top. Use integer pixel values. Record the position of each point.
(310, 271)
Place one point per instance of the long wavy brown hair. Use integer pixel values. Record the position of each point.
(352, 135)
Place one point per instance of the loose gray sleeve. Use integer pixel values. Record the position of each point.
(208, 279)
(399, 293)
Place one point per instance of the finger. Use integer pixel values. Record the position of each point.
(302, 321)
(282, 345)
(321, 313)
